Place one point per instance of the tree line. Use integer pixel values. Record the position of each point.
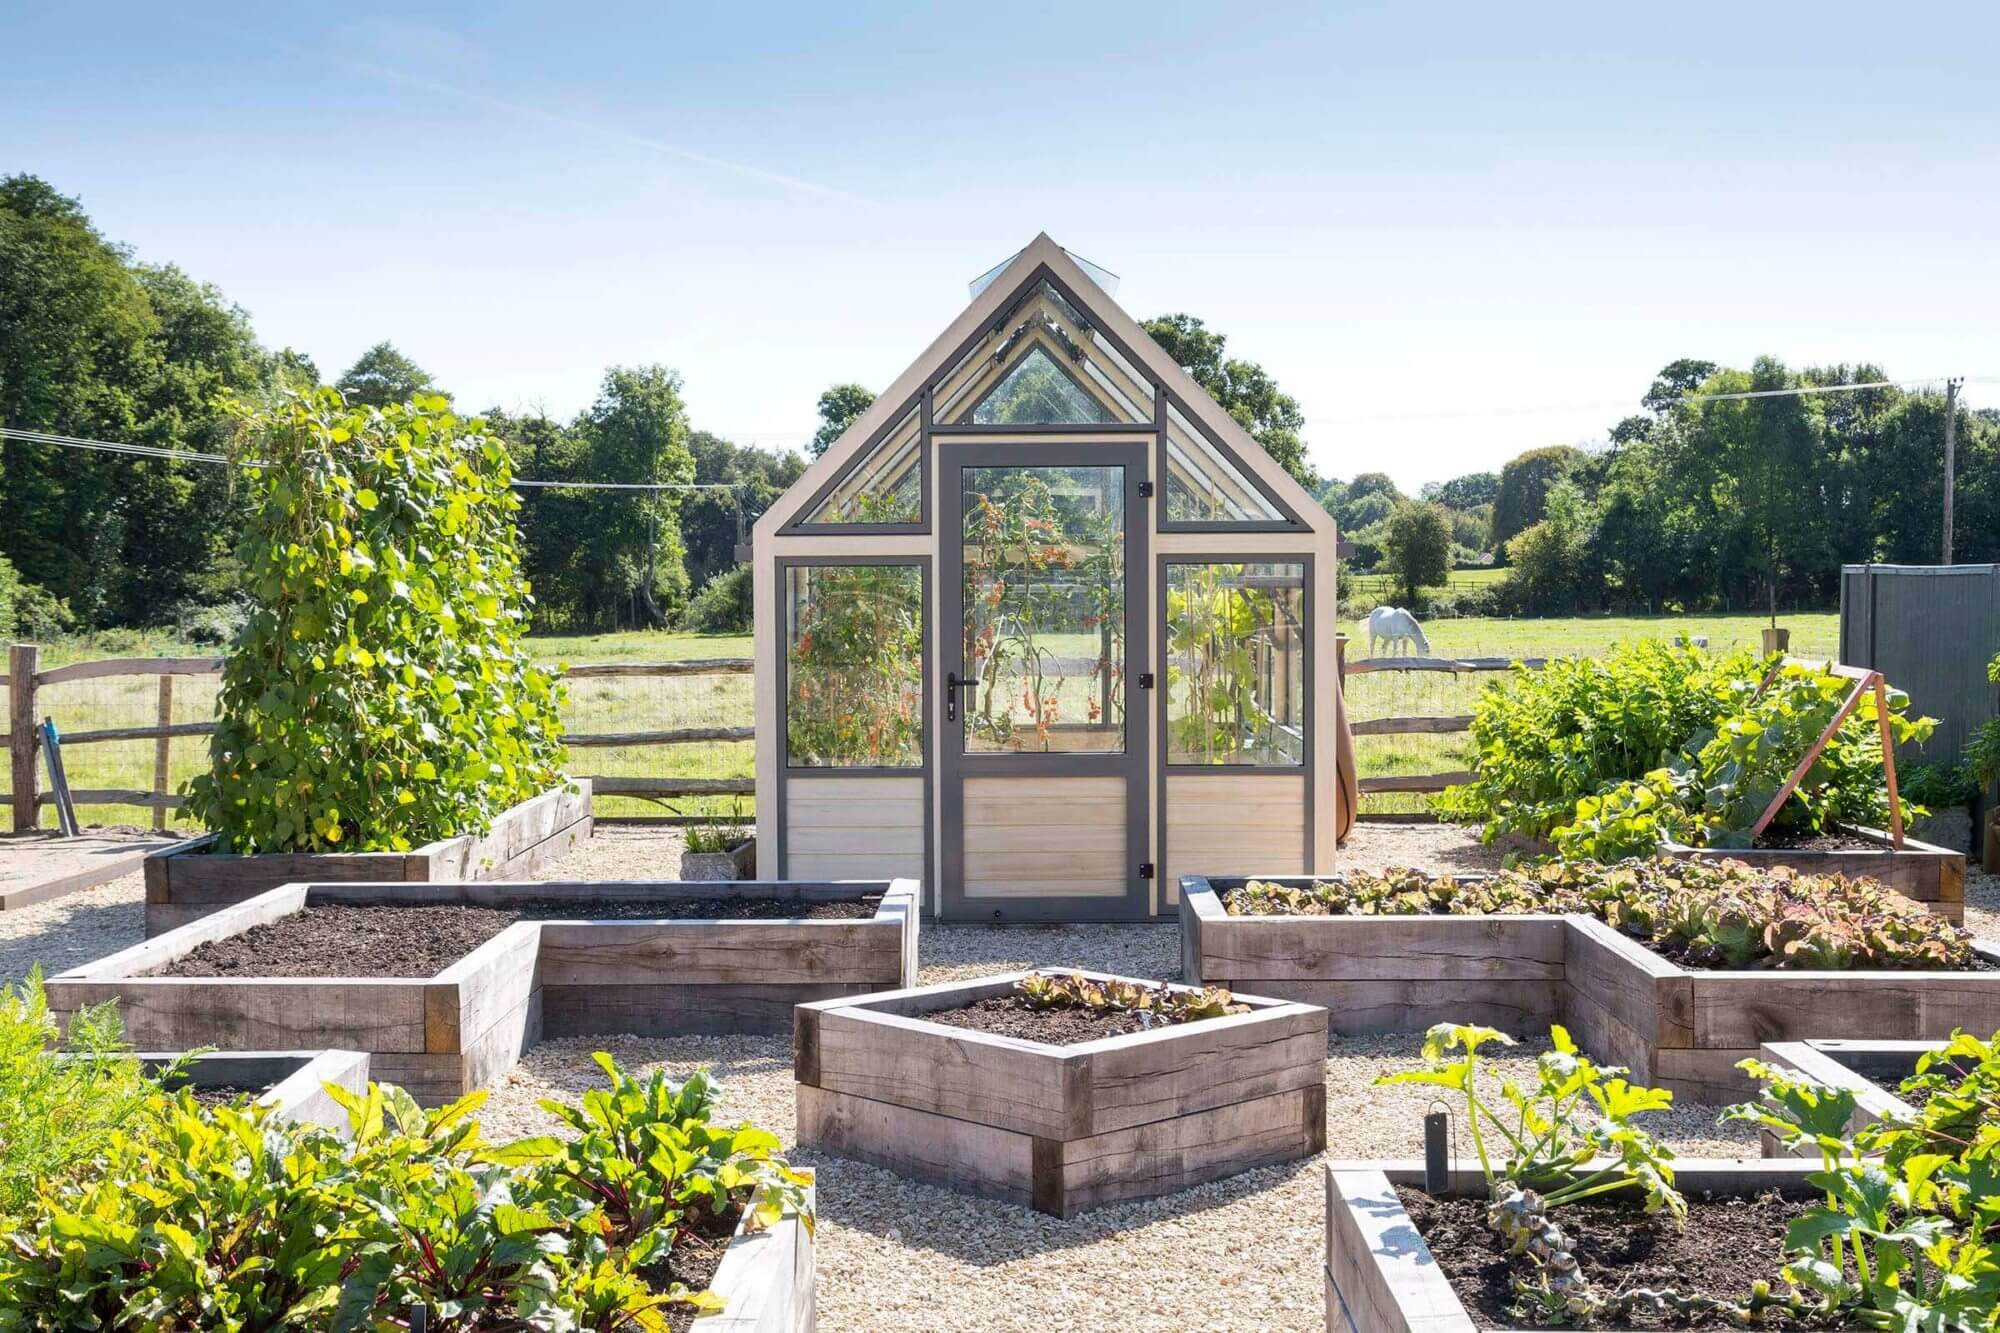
(1688, 506)
(1697, 502)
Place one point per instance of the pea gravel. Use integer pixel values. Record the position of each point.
(1243, 1253)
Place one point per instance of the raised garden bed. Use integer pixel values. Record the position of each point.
(1058, 1127)
(619, 961)
(1871, 1070)
(1382, 1276)
(1920, 871)
(187, 882)
(738, 861)
(291, 1083)
(1676, 1027)
(767, 1280)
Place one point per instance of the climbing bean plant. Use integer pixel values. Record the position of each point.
(380, 697)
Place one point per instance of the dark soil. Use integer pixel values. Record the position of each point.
(225, 1094)
(1729, 1243)
(1780, 840)
(697, 1253)
(1012, 1016)
(422, 939)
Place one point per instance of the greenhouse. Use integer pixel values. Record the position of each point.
(1045, 629)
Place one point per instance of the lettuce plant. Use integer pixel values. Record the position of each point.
(1702, 913)
(1161, 1003)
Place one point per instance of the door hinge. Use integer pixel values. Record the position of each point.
(1145, 680)
(1145, 490)
(1145, 870)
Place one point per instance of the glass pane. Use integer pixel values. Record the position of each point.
(1042, 363)
(1236, 668)
(884, 486)
(854, 666)
(1036, 392)
(1205, 487)
(1044, 608)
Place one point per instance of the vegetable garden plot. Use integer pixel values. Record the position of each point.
(445, 1034)
(1060, 1127)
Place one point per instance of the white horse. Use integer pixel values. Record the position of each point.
(1395, 626)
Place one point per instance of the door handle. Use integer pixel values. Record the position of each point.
(952, 685)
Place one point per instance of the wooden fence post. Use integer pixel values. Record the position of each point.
(22, 659)
(163, 751)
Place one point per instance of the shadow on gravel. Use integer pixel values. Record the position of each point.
(986, 1233)
(60, 938)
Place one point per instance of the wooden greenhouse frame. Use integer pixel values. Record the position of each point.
(994, 709)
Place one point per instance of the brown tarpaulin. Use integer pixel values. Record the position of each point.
(1347, 788)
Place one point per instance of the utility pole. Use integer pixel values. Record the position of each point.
(1950, 455)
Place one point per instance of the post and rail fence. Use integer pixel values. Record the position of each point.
(25, 679)
(1427, 725)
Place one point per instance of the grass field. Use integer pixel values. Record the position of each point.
(635, 703)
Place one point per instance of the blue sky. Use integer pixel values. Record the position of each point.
(1423, 219)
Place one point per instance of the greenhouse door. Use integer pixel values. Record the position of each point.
(1042, 570)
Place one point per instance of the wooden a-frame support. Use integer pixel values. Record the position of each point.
(1865, 680)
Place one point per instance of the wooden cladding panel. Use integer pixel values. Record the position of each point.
(1038, 836)
(854, 828)
(1234, 824)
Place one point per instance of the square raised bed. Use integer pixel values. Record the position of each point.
(465, 1023)
(1061, 1128)
(187, 882)
(1382, 1278)
(291, 1083)
(1920, 871)
(1676, 1027)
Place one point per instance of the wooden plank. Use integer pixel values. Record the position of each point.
(138, 959)
(1180, 1152)
(163, 732)
(1411, 726)
(1367, 665)
(677, 736)
(99, 864)
(1254, 950)
(1417, 782)
(854, 840)
(676, 1011)
(129, 666)
(472, 994)
(856, 865)
(1383, 1274)
(957, 1072)
(116, 796)
(368, 1014)
(1741, 1010)
(622, 953)
(1170, 1072)
(1373, 1007)
(1707, 1076)
(979, 1159)
(21, 737)
(805, 792)
(606, 784)
(163, 749)
(695, 666)
(1631, 983)
(766, 1280)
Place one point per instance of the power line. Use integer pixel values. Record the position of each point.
(196, 456)
(1602, 405)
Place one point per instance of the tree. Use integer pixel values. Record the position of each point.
(637, 431)
(382, 376)
(1553, 570)
(95, 345)
(1677, 380)
(838, 408)
(1417, 550)
(1463, 493)
(1243, 389)
(1520, 498)
(757, 477)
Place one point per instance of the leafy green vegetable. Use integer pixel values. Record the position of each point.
(1726, 776)
(1167, 1004)
(1703, 913)
(380, 696)
(1547, 738)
